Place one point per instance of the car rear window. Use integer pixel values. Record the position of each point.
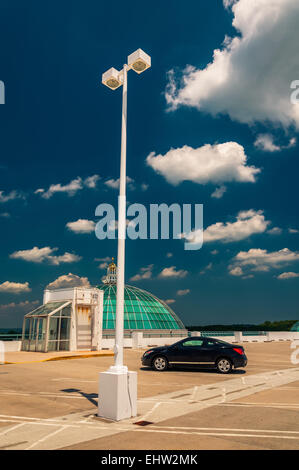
(217, 342)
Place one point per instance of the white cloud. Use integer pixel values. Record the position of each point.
(261, 269)
(169, 301)
(288, 275)
(172, 273)
(249, 77)
(247, 223)
(266, 143)
(259, 260)
(144, 273)
(293, 230)
(293, 142)
(5, 215)
(236, 271)
(21, 307)
(69, 280)
(182, 292)
(103, 265)
(114, 184)
(229, 3)
(91, 181)
(256, 260)
(217, 163)
(275, 231)
(71, 188)
(14, 287)
(81, 226)
(10, 196)
(218, 193)
(206, 268)
(40, 255)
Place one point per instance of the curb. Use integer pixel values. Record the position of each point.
(63, 358)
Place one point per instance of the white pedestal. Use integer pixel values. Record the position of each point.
(238, 336)
(137, 337)
(117, 394)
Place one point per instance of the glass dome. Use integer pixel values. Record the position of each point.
(142, 310)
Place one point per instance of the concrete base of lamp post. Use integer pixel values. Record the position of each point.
(117, 394)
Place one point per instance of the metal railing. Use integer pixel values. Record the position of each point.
(253, 333)
(217, 333)
(11, 336)
(164, 335)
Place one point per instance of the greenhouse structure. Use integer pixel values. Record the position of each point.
(79, 318)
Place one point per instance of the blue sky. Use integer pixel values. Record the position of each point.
(60, 134)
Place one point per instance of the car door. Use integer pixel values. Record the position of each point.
(188, 352)
(212, 348)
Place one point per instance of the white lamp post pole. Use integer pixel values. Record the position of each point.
(119, 320)
(118, 386)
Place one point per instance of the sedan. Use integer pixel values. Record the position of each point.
(196, 352)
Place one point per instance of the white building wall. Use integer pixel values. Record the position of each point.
(87, 315)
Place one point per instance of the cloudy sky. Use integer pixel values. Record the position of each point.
(211, 122)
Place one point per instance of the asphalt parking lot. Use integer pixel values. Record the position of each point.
(51, 405)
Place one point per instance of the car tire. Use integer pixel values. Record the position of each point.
(224, 365)
(160, 363)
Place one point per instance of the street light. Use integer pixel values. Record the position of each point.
(118, 386)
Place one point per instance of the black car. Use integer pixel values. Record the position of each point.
(196, 352)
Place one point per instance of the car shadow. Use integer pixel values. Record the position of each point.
(196, 369)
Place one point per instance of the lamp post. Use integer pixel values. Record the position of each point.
(118, 387)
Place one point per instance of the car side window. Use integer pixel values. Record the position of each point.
(210, 344)
(193, 342)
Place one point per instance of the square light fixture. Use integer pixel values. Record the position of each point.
(139, 61)
(112, 79)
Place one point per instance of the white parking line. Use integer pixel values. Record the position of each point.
(215, 434)
(150, 411)
(11, 429)
(46, 437)
(194, 393)
(262, 405)
(225, 429)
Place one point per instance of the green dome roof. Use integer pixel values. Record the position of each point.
(142, 310)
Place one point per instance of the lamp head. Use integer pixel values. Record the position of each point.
(111, 79)
(139, 61)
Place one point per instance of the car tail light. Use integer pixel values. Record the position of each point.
(239, 351)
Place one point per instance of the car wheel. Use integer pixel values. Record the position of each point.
(224, 366)
(160, 363)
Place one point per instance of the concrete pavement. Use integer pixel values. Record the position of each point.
(53, 405)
